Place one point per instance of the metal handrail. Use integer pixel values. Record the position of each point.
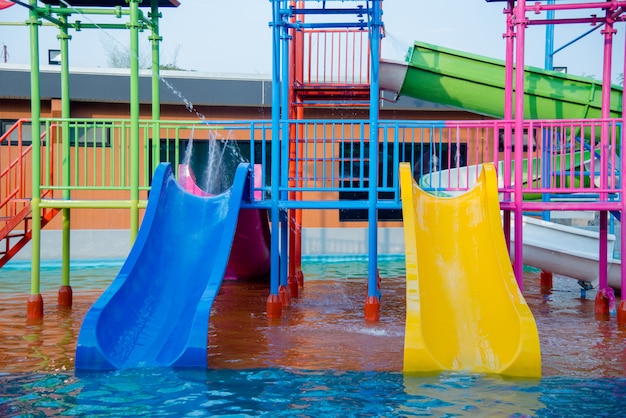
(558, 155)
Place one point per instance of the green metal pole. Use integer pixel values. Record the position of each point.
(134, 119)
(65, 292)
(35, 301)
(156, 83)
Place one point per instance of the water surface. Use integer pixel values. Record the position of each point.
(320, 359)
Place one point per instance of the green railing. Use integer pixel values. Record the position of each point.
(91, 159)
(325, 161)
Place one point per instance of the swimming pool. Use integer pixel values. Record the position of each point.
(321, 359)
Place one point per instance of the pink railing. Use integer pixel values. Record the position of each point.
(575, 163)
(564, 163)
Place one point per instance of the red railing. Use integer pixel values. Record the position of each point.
(335, 57)
(14, 160)
(16, 190)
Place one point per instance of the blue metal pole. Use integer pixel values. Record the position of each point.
(549, 58)
(372, 214)
(284, 167)
(548, 65)
(273, 309)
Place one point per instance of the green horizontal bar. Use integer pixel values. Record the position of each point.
(80, 26)
(89, 204)
(91, 188)
(116, 11)
(43, 24)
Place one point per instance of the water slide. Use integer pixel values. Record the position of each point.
(156, 311)
(476, 83)
(465, 311)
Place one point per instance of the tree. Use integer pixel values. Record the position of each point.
(172, 66)
(118, 56)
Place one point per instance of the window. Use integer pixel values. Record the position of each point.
(214, 162)
(425, 158)
(91, 135)
(81, 134)
(27, 132)
(525, 139)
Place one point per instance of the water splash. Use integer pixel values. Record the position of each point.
(396, 46)
(223, 153)
(223, 158)
(189, 148)
(188, 104)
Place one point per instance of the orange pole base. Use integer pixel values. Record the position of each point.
(300, 278)
(293, 286)
(34, 306)
(285, 296)
(372, 309)
(621, 313)
(601, 305)
(65, 296)
(274, 307)
(545, 280)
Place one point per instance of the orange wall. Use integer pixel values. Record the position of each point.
(119, 218)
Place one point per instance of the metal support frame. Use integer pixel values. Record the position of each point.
(287, 18)
(137, 22)
(516, 27)
(373, 291)
(35, 301)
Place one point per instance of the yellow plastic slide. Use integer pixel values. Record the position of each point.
(465, 311)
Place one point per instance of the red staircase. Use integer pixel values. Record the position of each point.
(15, 192)
(328, 68)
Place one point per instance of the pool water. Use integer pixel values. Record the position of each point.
(320, 359)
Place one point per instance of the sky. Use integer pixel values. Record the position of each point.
(213, 36)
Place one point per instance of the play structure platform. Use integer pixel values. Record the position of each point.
(555, 147)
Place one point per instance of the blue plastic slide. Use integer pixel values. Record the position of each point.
(156, 311)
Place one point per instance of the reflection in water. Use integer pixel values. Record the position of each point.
(41, 344)
(322, 330)
(320, 359)
(477, 395)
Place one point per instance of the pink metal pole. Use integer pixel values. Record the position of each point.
(621, 311)
(520, 25)
(609, 4)
(608, 33)
(509, 36)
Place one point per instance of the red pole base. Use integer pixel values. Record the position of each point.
(34, 306)
(293, 286)
(300, 278)
(372, 309)
(545, 279)
(285, 296)
(65, 296)
(274, 307)
(602, 305)
(621, 313)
